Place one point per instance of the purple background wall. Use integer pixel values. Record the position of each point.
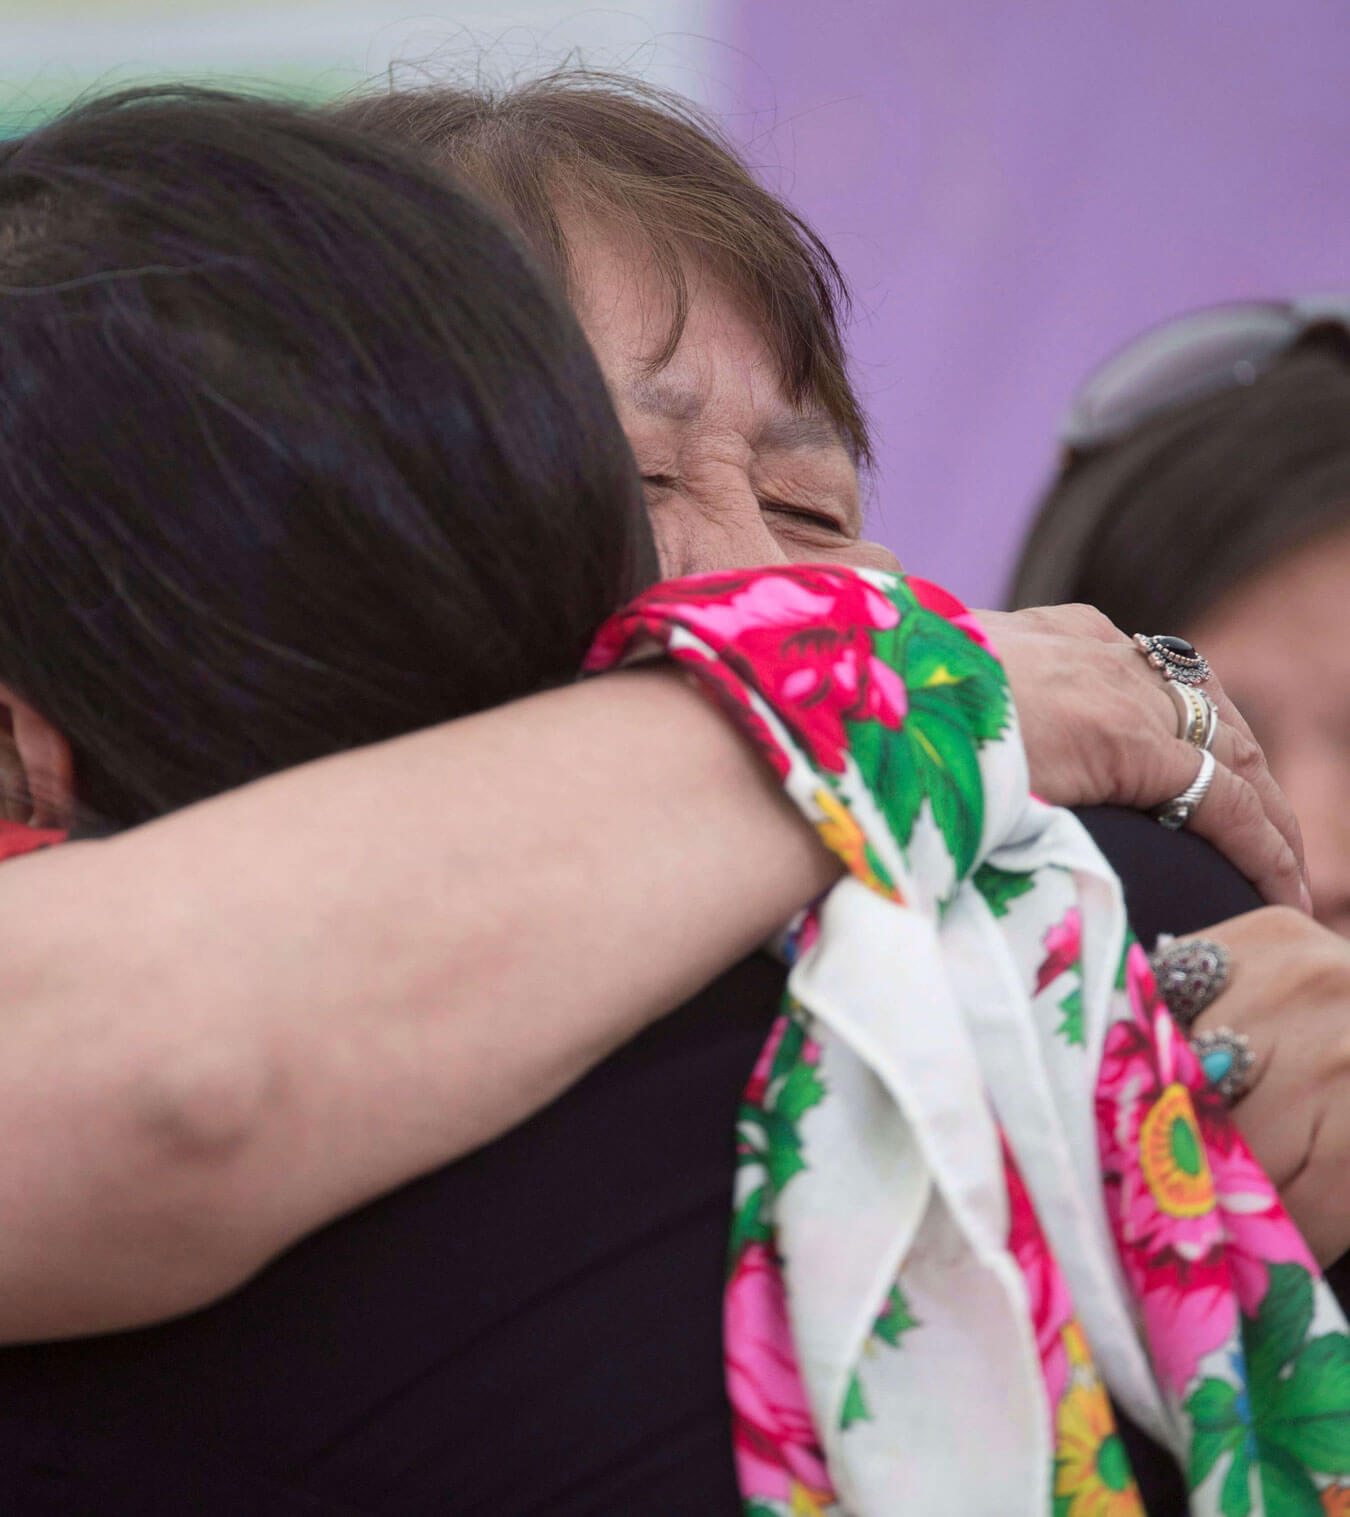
(1014, 189)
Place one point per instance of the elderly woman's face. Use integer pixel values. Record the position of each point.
(1281, 643)
(735, 474)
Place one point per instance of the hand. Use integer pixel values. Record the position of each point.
(1289, 992)
(1100, 728)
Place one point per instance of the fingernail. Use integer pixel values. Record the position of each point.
(1307, 900)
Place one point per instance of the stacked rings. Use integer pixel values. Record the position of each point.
(1191, 976)
(1174, 657)
(1199, 716)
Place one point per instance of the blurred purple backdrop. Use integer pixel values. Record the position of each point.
(1016, 189)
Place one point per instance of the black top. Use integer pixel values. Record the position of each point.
(535, 1329)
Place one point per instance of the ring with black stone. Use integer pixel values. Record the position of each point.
(1227, 1060)
(1191, 976)
(1174, 657)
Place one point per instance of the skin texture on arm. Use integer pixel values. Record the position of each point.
(403, 956)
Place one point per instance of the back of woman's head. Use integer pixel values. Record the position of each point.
(1155, 528)
(297, 450)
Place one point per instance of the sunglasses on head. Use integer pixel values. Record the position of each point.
(1199, 354)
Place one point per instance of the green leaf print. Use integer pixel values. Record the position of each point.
(1312, 1419)
(748, 1226)
(938, 657)
(1122, 969)
(855, 1405)
(800, 1092)
(1235, 1495)
(894, 1320)
(789, 1048)
(1001, 887)
(958, 701)
(760, 1509)
(1071, 1028)
(1300, 1391)
(1276, 1334)
(1286, 1487)
(1218, 1427)
(783, 1154)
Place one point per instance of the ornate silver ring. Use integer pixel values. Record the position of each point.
(1174, 657)
(1174, 814)
(1227, 1060)
(1191, 976)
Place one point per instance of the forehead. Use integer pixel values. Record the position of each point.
(722, 364)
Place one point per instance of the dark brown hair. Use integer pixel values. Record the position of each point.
(594, 143)
(1156, 528)
(298, 450)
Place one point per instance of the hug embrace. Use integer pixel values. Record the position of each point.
(732, 1081)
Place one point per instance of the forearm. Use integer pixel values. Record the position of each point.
(224, 1029)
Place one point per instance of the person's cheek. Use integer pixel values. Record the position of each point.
(869, 555)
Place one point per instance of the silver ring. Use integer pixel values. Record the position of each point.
(1227, 1060)
(1174, 657)
(1174, 814)
(1198, 714)
(1191, 976)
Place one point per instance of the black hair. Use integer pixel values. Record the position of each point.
(298, 449)
(1155, 528)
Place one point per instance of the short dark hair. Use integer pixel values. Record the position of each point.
(298, 449)
(592, 142)
(1155, 528)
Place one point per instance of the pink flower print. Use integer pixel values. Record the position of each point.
(934, 598)
(757, 1086)
(758, 1082)
(1047, 1292)
(800, 635)
(1257, 1231)
(1062, 944)
(775, 1442)
(1160, 1190)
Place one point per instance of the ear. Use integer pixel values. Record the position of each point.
(36, 762)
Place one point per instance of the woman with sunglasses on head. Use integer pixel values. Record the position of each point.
(1205, 487)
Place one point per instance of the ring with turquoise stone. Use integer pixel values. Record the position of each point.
(1227, 1060)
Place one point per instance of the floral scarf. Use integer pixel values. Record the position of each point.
(981, 1177)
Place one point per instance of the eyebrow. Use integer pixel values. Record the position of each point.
(661, 397)
(679, 403)
(812, 430)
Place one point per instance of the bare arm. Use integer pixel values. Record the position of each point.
(227, 1028)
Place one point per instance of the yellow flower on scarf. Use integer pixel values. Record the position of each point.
(846, 840)
(809, 1503)
(1172, 1156)
(1092, 1470)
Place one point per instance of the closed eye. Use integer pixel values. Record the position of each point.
(817, 519)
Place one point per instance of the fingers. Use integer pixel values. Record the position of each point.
(1236, 748)
(1100, 728)
(1289, 995)
(1234, 816)
(1318, 1199)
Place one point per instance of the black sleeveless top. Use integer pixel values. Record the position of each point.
(535, 1329)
